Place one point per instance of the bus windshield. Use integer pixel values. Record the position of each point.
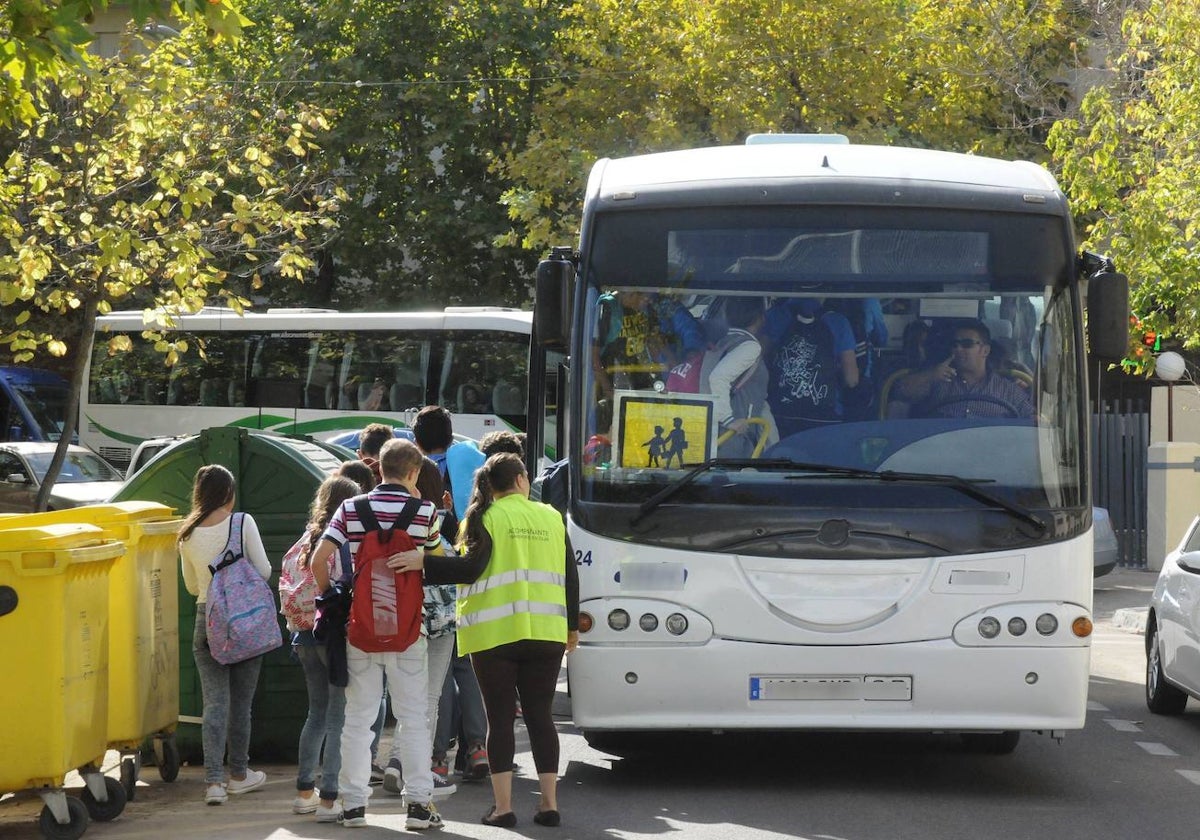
(841, 357)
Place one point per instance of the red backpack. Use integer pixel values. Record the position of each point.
(385, 613)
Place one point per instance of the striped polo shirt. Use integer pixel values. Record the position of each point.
(387, 500)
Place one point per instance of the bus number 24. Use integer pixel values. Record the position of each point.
(583, 558)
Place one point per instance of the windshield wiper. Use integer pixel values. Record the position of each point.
(967, 487)
(648, 506)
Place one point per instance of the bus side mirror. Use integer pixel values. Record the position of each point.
(1108, 315)
(552, 303)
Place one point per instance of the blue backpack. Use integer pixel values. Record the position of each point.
(240, 612)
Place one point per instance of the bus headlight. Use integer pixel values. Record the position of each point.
(989, 627)
(1082, 627)
(648, 622)
(1046, 624)
(1017, 626)
(585, 622)
(677, 624)
(618, 620)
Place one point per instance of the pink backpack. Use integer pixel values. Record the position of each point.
(297, 588)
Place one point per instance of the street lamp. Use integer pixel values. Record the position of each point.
(1169, 367)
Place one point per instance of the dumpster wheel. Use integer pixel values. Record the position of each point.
(53, 830)
(131, 770)
(166, 756)
(109, 810)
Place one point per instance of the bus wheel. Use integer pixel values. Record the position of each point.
(991, 743)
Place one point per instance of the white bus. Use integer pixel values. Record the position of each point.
(305, 371)
(922, 565)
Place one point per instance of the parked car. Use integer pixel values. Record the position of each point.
(148, 449)
(1172, 625)
(1105, 551)
(85, 478)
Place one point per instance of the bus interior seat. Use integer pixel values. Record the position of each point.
(405, 396)
(213, 392)
(108, 390)
(152, 393)
(236, 393)
(507, 399)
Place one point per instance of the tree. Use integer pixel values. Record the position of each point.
(953, 74)
(1128, 164)
(141, 185)
(43, 40)
(427, 98)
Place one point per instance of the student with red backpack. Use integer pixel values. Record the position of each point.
(384, 630)
(228, 689)
(326, 701)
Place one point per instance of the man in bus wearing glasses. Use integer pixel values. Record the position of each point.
(966, 384)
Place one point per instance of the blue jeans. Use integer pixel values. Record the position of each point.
(228, 692)
(326, 715)
(462, 703)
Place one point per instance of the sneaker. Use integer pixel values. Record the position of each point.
(477, 764)
(331, 814)
(376, 774)
(253, 781)
(422, 816)
(306, 804)
(215, 795)
(354, 817)
(393, 778)
(442, 786)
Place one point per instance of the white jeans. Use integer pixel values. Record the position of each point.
(408, 685)
(439, 650)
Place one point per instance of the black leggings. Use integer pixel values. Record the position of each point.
(530, 668)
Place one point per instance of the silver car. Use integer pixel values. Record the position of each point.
(85, 478)
(1172, 625)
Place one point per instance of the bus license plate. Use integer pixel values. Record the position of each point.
(831, 687)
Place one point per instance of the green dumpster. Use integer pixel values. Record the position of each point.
(277, 476)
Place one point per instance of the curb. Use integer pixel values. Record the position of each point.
(1131, 619)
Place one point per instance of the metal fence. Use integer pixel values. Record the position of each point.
(1121, 436)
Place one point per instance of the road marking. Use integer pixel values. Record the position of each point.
(1156, 749)
(1093, 706)
(1191, 775)
(1123, 725)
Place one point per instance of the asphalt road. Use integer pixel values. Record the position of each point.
(1127, 774)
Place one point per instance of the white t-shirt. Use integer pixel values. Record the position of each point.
(202, 547)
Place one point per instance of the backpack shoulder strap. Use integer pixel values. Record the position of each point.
(411, 508)
(233, 545)
(362, 506)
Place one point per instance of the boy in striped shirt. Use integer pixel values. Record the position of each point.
(400, 462)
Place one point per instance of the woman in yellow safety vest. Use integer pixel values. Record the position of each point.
(516, 618)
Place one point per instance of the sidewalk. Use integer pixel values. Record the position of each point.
(1122, 597)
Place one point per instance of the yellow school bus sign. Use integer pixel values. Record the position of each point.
(662, 431)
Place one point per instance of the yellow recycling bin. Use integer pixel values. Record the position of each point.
(143, 652)
(54, 628)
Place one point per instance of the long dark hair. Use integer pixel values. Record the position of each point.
(212, 488)
(498, 474)
(329, 497)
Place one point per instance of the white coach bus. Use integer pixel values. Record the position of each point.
(305, 371)
(904, 562)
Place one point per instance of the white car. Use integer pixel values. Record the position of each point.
(1172, 628)
(84, 479)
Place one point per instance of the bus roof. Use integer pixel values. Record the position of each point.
(220, 318)
(791, 161)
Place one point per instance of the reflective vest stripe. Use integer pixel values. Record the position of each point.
(512, 576)
(510, 609)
